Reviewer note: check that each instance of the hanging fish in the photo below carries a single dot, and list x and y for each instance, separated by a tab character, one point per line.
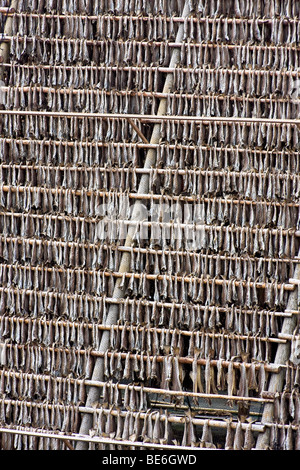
239	437
231	379
207	437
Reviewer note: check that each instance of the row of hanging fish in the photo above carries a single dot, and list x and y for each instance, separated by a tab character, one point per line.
286	438
76	152
98	79
287	408
14	249
30	126
250	184
225	346
62	99
55	417
240	241
43	360
54	51
182	262
194	316
150	427
231	240
31	442
79	307
71	392
204	290
257	233
167	372
138	339
237	438
50	153
241	8
39	387
215	29
266	136
155	427
255	185
34	303
250	134
163	263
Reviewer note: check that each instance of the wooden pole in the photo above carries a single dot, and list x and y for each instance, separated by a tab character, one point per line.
282	356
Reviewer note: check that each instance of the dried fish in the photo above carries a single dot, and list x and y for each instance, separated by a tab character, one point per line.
239	437
207	438
231	379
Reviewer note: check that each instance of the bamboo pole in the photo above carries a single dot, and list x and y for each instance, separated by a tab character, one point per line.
282	356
